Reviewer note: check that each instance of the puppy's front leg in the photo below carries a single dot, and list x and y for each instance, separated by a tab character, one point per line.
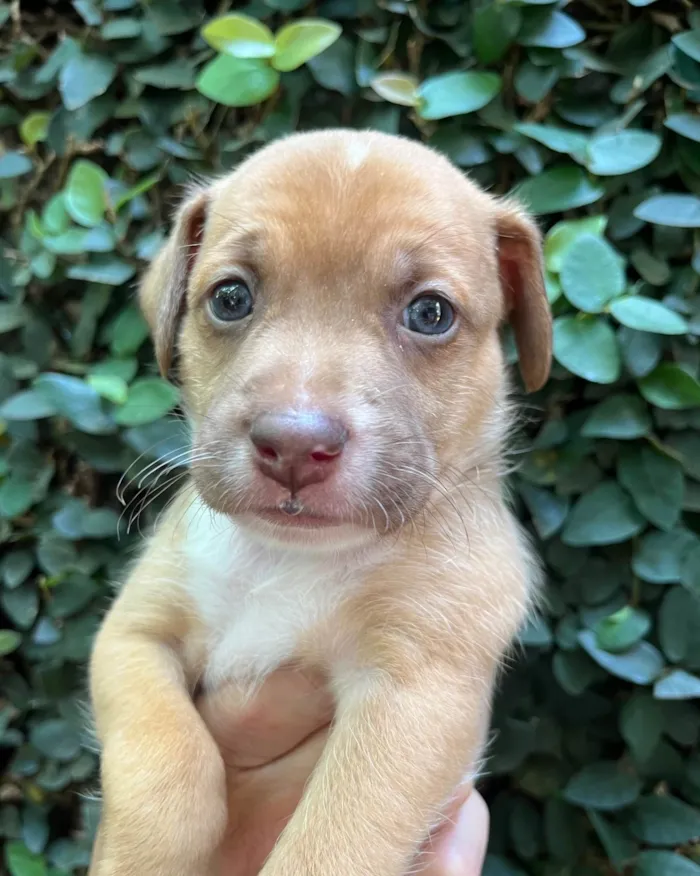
398	749
162	776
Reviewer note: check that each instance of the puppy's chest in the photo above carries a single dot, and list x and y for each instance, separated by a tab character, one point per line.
260	605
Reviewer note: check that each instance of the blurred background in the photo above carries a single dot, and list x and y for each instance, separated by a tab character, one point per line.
587	111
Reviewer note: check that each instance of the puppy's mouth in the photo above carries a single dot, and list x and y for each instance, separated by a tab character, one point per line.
301	518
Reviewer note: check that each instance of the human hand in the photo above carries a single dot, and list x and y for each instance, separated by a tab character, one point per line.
270	745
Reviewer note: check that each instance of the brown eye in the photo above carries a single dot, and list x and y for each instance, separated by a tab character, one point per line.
231	301
429	315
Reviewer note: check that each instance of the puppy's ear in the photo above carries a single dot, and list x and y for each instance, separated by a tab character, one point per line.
164	285
522	280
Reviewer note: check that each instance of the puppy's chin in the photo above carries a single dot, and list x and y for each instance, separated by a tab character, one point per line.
310	534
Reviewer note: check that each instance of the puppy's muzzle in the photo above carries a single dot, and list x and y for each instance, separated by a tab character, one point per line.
298	448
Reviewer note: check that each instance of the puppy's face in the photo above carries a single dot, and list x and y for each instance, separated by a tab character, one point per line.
336	303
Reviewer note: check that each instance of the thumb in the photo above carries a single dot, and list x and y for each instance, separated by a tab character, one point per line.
461	849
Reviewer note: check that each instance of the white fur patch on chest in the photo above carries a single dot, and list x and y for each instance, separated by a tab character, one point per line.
256	600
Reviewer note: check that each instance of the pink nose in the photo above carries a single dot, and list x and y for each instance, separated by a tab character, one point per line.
297	448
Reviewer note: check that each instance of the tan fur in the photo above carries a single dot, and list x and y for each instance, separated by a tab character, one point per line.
336	232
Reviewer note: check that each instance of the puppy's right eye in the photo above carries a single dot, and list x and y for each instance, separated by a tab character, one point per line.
231	301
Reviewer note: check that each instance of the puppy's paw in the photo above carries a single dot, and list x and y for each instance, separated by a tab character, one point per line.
164	808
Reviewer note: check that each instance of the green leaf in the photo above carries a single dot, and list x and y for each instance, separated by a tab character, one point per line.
655	482
149	399
27	405
547	509
621	630
605	786
677	685
676	211
110	271
10	640
622	152
671	388
298	42
13	164
76	401
641	665
622	416
689	43
34	127
56	739
564	234
398	88
240	36
85	195
647	315
238	81
642	724
84	77
495	27
588	348
555	31
455	94
111	387
603	515
619	847
22	862
591	273
558	189
175	74
121	29
665	863
658	558
664	821
685	124
557	139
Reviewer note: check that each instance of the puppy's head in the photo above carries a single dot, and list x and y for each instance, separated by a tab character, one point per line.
335	303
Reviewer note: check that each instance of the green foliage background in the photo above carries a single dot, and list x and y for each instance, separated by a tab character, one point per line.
589	110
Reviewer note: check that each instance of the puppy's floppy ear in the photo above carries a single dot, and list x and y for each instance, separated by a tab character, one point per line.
164	285
522	280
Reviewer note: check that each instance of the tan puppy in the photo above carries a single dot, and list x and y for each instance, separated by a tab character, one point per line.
335	304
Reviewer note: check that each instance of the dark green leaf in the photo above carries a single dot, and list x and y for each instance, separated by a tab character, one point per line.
655	482
665	821
622	416
604	786
604	515
665	864
558	189
671	388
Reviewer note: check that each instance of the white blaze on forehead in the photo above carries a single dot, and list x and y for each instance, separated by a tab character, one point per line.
356	151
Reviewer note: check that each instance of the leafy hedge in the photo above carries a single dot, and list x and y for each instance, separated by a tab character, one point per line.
589	111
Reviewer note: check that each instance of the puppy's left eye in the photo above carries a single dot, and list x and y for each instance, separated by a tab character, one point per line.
429	315
231	301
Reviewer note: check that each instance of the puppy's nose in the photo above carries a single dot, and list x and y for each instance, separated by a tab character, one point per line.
297	448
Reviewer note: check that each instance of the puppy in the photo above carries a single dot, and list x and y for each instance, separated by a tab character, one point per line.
335	304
